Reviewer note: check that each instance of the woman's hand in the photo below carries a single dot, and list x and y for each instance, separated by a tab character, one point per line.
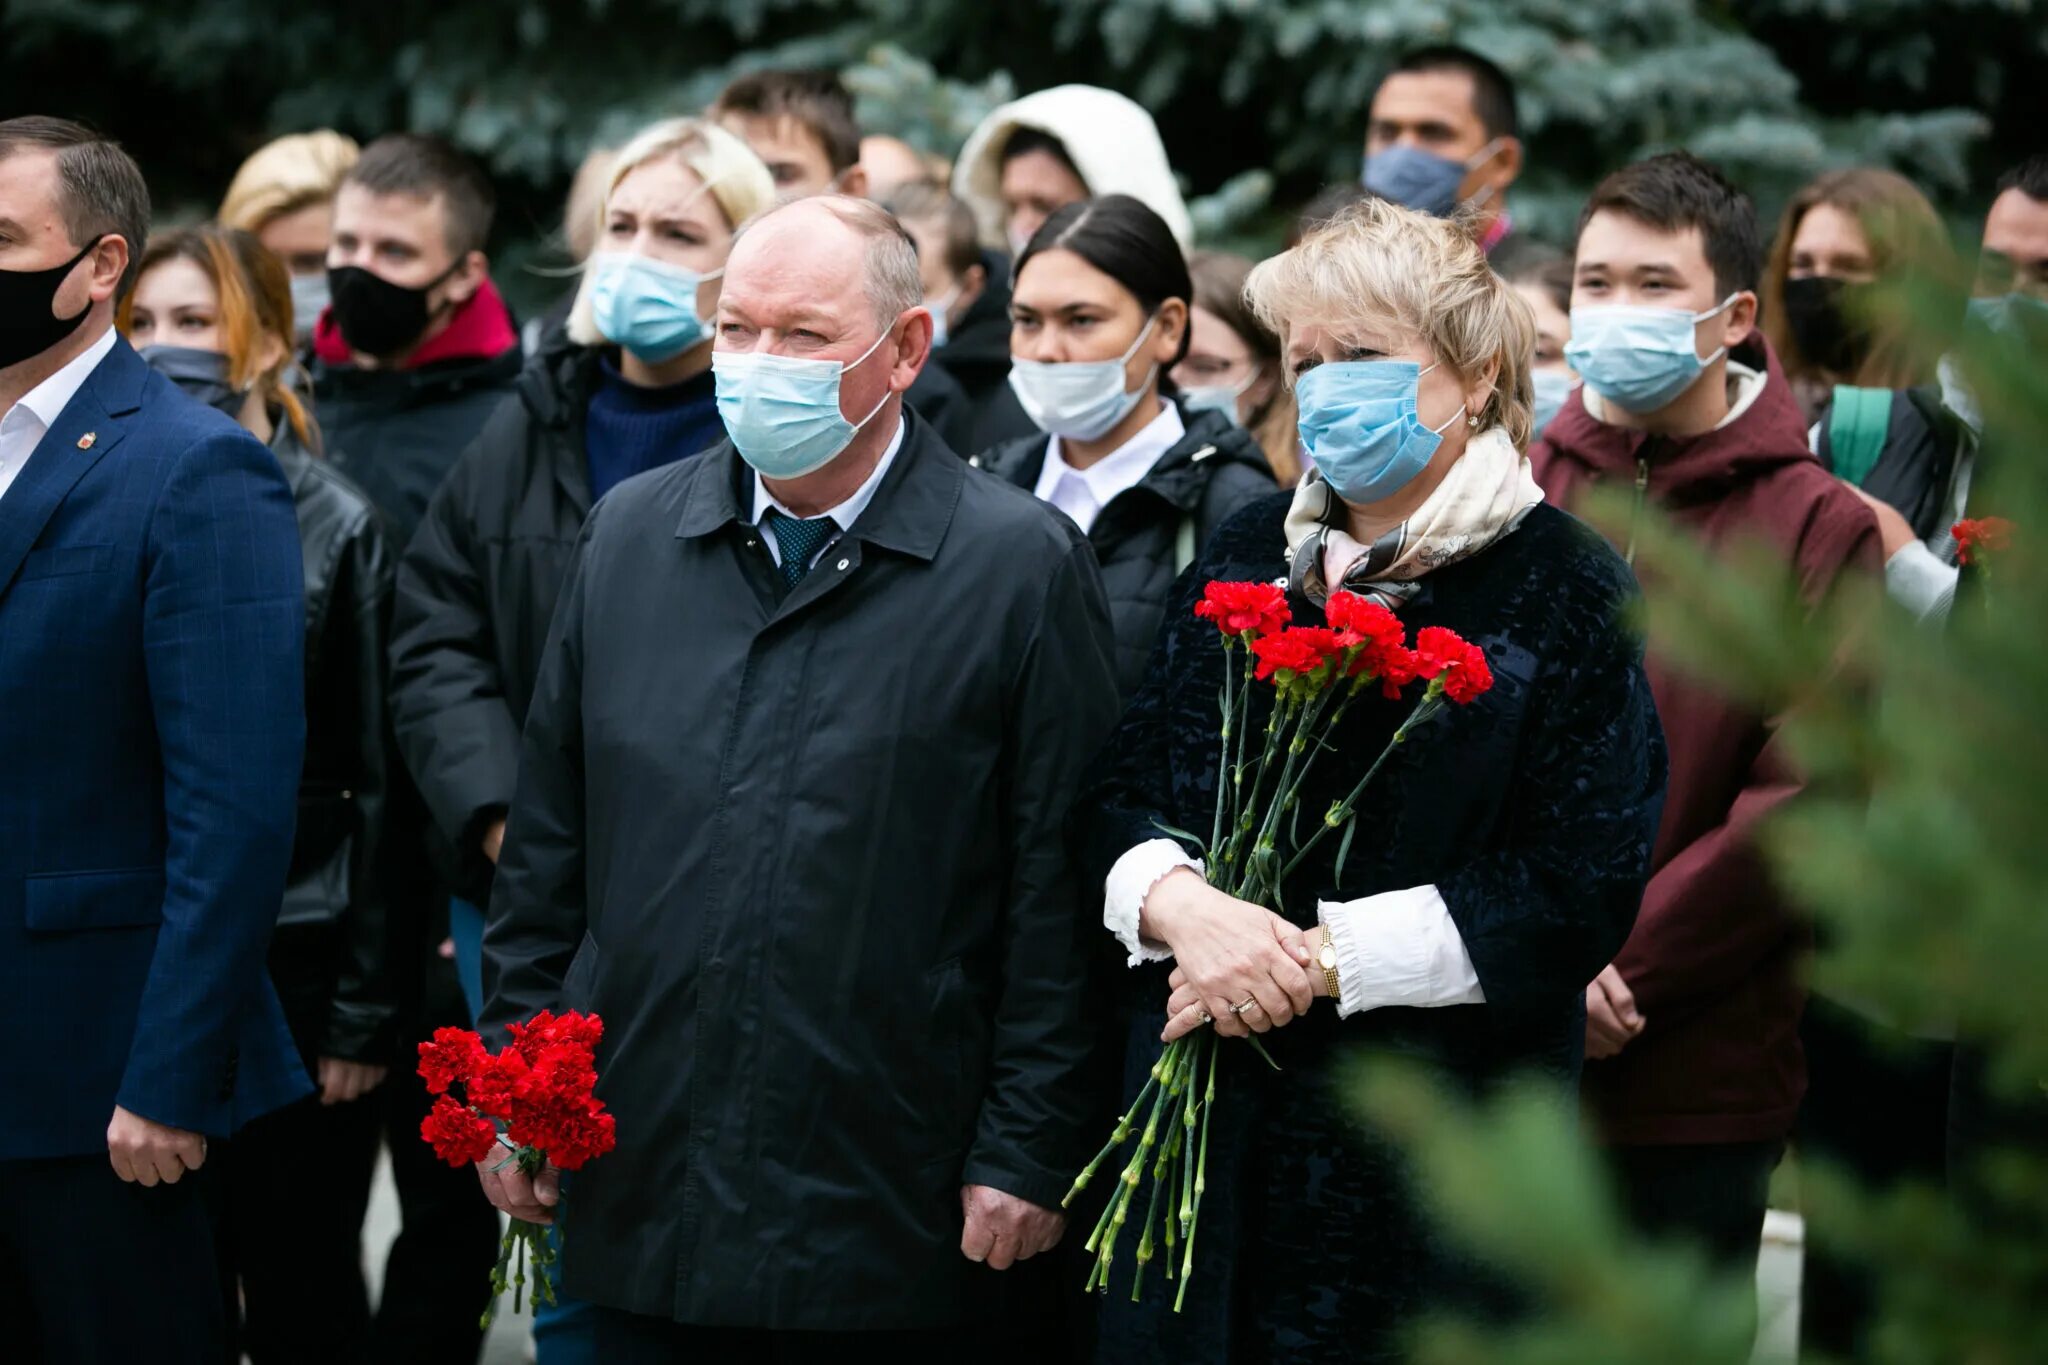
1228	952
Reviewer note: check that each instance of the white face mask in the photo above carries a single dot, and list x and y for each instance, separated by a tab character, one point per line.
1079	399
1217	397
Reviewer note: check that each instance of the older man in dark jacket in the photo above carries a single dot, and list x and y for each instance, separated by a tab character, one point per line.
807	725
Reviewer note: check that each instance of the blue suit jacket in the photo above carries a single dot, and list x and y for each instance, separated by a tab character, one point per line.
151	731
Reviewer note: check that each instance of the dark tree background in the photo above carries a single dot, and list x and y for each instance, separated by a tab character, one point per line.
1947	90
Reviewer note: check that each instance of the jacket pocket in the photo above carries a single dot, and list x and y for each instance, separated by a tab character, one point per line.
56	902
60	561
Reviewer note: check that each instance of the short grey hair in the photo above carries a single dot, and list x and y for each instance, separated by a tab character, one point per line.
892	281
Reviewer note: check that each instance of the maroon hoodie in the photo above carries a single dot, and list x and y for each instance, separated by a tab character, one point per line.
1714	960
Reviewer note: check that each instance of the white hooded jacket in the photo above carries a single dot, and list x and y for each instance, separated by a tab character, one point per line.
1111	140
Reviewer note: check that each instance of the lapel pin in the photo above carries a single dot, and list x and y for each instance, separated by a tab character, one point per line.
85	441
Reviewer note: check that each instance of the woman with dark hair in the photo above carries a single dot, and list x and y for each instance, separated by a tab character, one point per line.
212	310
1233	362
1099	313
1543	280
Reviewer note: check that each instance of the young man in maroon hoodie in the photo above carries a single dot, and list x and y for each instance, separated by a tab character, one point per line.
1694	1071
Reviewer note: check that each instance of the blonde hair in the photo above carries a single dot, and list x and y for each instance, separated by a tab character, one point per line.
1376	263
733	176
255	302
285	176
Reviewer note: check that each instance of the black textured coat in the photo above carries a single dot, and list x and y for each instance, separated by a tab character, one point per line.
1532	811
803	853
330	956
476	590
396	433
1209	474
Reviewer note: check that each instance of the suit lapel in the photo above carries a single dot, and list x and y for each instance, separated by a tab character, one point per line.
101	410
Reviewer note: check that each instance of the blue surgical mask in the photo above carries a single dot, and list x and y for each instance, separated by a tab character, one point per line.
1637	357
1216	397
1079	399
1552	388
647	306
1421	180
782	411
939	308
1359	424
2022	317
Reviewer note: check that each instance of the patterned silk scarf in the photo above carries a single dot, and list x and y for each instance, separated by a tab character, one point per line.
1485	496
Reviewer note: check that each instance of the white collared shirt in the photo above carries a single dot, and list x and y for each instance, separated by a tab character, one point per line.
845	514
1083	493
26	423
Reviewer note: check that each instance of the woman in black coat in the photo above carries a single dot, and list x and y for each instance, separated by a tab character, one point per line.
1500	853
625	388
1099	315
211	309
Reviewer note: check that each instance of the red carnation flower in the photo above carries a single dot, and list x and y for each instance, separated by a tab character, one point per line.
580	1134
1241	608
495	1086
1461	666
1398	666
1974	536
1369	628
454	1054
457	1135
1298	650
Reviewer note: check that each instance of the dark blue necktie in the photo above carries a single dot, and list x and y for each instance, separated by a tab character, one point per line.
799	539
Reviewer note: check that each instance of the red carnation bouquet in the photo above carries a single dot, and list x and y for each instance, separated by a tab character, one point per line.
1976	537
1255	842
534	1099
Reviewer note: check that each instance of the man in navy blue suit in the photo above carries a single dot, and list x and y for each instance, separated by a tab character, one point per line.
151	731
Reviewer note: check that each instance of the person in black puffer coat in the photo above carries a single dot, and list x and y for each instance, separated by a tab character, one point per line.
1101	298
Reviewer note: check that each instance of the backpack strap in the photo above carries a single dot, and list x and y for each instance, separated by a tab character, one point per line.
1859	421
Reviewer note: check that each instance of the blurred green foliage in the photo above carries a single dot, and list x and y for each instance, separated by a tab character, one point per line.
1945	90
1918	849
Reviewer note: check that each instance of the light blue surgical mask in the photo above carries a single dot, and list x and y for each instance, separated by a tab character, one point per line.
1637	357
1216	397
647	306
939	308
1079	399
1552	388
1421	180
1359	424
782	411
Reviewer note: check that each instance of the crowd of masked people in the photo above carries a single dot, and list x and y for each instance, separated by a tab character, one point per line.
781	646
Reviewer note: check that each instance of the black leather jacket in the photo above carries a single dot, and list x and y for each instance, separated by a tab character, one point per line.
330	956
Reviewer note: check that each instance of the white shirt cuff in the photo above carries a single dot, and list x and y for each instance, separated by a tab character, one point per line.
1399	948
1125	889
1919	581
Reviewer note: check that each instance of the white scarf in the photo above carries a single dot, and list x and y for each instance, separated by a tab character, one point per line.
1483	497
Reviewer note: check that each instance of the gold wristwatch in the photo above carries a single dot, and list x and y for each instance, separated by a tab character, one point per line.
1326	958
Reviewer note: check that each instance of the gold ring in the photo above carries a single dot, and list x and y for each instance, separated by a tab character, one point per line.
1241	1006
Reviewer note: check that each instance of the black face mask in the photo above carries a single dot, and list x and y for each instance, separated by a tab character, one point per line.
1819	313
377	317
203	375
27	326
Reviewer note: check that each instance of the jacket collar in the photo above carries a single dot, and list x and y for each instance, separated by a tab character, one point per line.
1179	477
910	512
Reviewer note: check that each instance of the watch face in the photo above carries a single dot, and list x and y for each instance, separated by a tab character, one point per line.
1327	957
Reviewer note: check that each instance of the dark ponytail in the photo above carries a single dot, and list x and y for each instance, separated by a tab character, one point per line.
1126	241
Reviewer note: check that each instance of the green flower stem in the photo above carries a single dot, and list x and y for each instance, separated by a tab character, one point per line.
1120	1205
1306	714
1187	1263
1341	811
1283	711
1244	725
1358	684
1117	1136
1223	752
